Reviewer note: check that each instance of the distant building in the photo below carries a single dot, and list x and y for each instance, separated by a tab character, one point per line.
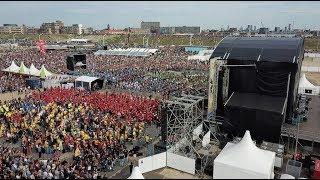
12	29
150	25
153	27
277	29
52	27
88	30
263	31
180	30
233	29
139	31
73	29
289	27
32	30
187	30
167	30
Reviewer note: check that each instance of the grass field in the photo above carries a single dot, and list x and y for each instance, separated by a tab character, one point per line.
310	43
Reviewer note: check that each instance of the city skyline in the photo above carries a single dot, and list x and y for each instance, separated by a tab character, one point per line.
207	15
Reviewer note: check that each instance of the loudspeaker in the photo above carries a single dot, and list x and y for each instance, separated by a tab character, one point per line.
80	58
70	63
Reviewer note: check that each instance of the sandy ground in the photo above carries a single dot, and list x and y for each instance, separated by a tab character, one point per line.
308	61
314	78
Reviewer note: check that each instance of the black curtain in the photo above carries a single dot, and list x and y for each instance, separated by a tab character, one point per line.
242	79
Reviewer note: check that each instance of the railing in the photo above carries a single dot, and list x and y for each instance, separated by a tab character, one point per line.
291	130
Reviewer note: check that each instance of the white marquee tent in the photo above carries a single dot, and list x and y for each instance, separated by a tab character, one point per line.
44	72
23	69
34	71
305	87
244	160
136	174
12	68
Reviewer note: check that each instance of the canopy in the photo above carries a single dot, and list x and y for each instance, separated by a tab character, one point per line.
203	55
270	49
244	160
23	69
12	68
88	79
305	87
34	71
141	52
136	174
44	72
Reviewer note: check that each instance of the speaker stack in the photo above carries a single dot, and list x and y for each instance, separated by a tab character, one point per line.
76	60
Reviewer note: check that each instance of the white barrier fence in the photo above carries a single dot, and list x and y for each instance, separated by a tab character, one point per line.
167	159
152	163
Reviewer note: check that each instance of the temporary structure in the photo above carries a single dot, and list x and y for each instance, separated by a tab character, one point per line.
136	174
305	87
23	69
44	72
87	82
12	68
244	160
34	71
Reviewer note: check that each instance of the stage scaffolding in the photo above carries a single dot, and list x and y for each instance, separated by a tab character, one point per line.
184	115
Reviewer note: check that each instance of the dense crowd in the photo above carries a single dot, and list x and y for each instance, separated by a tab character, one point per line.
57	121
11	82
132	73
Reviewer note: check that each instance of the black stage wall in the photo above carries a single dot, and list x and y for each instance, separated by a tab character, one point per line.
261	114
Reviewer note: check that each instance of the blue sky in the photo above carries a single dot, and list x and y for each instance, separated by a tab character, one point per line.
120	14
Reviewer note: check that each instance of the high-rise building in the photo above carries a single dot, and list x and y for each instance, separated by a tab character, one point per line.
289	28
277	29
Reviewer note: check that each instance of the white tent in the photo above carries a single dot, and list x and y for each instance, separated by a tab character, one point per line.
85	82
44	72
286	176
34	71
244	160
305	87
12	68
23	69
136	174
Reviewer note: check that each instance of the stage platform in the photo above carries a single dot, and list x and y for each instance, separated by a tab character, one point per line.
309	130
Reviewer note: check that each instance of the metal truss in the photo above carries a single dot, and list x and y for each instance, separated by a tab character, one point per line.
184	114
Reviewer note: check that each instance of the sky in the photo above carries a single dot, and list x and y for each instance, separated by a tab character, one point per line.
206	14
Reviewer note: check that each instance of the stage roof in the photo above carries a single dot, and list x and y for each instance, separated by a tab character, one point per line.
273	49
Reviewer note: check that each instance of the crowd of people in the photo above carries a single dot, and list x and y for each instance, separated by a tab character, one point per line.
94	127
124	72
11	82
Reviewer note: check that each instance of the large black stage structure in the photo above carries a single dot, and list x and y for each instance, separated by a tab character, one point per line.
264	75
